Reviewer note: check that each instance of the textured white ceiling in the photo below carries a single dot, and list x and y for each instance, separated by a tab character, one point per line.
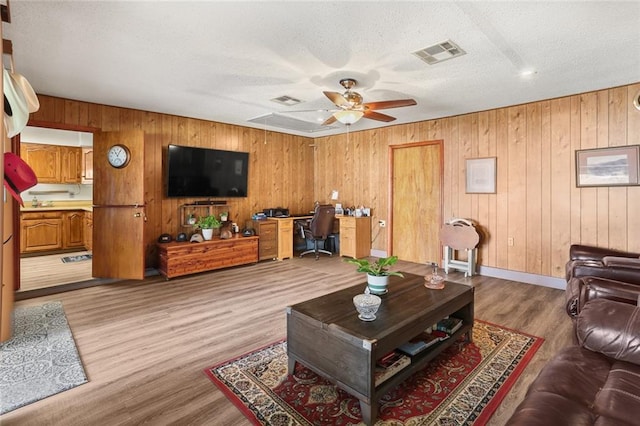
224	61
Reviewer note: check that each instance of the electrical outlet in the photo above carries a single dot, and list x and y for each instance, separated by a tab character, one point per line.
510	241
382	223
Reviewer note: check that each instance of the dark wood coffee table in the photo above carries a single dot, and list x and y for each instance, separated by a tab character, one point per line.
325	334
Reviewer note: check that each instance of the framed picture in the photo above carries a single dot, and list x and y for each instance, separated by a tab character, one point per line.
616	166
481	175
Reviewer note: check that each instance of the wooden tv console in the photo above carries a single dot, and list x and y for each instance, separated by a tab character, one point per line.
183	258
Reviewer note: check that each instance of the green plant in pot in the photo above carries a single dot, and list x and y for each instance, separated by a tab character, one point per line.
207	224
378	272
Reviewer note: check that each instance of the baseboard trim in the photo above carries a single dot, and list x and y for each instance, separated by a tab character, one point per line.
524	277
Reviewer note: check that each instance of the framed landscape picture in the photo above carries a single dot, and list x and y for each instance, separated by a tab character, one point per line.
616	166
481	175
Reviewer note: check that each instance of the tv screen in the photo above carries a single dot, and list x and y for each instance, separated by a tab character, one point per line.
205	172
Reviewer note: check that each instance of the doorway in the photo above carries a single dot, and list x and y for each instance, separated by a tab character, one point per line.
56	267
416	201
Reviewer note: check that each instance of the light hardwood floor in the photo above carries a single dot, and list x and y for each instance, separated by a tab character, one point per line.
145	344
49	270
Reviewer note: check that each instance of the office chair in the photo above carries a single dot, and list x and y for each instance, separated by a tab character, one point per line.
320	227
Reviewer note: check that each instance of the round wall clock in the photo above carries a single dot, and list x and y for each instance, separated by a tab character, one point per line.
118	156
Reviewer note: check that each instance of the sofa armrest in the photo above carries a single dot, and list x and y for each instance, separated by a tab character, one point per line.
628	273
584	252
610	328
591	288
621	262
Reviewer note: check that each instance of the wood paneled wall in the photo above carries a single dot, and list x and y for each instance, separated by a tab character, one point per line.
280	169
537	202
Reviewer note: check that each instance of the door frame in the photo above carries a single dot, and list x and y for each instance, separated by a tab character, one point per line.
392	148
15	148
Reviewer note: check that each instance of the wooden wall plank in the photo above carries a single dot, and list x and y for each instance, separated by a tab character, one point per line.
561	183
533	160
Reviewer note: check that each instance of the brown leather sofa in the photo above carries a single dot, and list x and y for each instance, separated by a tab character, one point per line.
597	381
587	261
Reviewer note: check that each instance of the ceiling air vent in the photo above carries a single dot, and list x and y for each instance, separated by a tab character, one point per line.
290	123
439	52
286	100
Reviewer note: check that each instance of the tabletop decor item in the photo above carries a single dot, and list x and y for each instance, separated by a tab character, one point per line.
207	224
434	280
367	305
378	272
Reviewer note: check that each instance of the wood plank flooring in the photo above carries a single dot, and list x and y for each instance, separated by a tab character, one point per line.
49	270
145	344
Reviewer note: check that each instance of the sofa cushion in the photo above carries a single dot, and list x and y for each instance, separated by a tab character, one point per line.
619	398
610	328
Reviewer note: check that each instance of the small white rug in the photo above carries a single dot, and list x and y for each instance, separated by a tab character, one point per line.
40	360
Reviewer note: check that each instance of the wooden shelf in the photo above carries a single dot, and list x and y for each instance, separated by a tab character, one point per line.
199	210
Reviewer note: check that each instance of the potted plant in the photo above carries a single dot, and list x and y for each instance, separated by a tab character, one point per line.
378	272
207	224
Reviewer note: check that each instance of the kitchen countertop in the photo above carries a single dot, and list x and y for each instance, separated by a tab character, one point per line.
84	205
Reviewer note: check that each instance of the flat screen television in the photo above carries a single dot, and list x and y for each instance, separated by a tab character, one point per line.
206	172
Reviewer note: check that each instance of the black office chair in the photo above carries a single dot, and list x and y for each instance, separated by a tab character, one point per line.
319	229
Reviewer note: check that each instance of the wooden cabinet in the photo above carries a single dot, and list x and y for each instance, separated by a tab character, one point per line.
355	236
73	228
44	160
53	163
88	230
71	164
183	258
87	165
267	230
40	232
52	230
285	237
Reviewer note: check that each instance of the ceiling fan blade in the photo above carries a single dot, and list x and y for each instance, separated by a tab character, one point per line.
390	104
337	99
329	121
377	116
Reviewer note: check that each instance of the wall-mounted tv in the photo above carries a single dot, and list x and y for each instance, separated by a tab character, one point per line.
205	172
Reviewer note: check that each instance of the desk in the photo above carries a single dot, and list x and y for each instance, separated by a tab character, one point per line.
355	236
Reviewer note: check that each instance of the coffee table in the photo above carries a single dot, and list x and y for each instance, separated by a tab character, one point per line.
325	334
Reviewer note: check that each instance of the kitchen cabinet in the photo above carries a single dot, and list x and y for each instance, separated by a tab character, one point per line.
52	230
40	232
44	160
87	165
53	163
71	164
73	228
88	230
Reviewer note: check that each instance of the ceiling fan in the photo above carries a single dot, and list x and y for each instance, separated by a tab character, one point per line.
353	109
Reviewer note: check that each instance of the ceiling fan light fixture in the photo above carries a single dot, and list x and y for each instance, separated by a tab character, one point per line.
348	116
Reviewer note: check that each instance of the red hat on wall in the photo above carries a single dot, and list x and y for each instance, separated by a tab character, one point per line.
18	176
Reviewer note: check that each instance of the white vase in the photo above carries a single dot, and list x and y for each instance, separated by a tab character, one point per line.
377	285
207	234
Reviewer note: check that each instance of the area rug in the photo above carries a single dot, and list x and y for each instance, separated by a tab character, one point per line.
462	386
40	360
78	258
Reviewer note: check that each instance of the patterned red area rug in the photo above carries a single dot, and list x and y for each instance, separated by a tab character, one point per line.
462	386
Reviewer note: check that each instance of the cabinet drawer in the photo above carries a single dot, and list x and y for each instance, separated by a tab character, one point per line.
41	215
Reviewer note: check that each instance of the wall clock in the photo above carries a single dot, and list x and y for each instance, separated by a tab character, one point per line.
118	156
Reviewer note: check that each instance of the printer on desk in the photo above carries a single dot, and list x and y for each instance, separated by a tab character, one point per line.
276	212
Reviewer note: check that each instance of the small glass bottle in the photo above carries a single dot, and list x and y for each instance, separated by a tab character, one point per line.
34	202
